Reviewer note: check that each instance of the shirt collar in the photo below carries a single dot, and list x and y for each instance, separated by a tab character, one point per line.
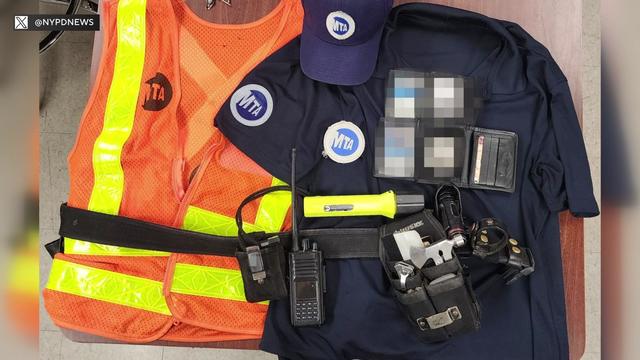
501	71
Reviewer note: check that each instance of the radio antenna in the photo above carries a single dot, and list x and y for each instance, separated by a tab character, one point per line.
295	246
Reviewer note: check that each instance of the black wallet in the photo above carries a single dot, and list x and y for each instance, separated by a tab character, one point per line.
493	159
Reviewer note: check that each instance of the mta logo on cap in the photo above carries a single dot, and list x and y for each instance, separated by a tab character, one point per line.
251	105
340	25
343	142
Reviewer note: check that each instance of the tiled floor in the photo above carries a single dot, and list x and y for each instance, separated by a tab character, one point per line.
64	82
65	71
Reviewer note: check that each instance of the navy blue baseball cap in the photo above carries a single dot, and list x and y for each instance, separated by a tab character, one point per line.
341	38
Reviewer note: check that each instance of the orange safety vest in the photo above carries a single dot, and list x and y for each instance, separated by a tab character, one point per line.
147	149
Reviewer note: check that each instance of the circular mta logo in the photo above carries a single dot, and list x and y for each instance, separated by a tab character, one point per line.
159	93
343	142
340	25
251	105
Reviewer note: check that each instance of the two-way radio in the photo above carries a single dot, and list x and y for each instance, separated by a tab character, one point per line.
306	271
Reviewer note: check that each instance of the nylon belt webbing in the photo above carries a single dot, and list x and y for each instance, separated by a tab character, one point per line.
120	231
270	217
196	220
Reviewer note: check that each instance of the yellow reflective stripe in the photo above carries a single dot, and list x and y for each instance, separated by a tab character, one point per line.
271	214
79	247
119	115
121	106
207	281
208	222
273	209
108	286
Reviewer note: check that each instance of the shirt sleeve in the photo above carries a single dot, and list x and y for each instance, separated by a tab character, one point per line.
561	172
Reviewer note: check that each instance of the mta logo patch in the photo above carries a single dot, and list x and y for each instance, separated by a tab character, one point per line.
159	93
340	25
251	105
343	142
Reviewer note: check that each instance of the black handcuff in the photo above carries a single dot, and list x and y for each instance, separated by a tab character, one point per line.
488	236
490	241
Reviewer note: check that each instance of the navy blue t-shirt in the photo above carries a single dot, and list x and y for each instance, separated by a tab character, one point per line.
276	108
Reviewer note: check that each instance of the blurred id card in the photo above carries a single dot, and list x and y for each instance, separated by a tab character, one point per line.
428	134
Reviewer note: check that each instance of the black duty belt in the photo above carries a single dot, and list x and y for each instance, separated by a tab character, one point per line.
114	230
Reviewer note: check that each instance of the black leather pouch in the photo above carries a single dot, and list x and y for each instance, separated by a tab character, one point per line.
437	299
418	307
261	257
263	269
441	304
457	309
